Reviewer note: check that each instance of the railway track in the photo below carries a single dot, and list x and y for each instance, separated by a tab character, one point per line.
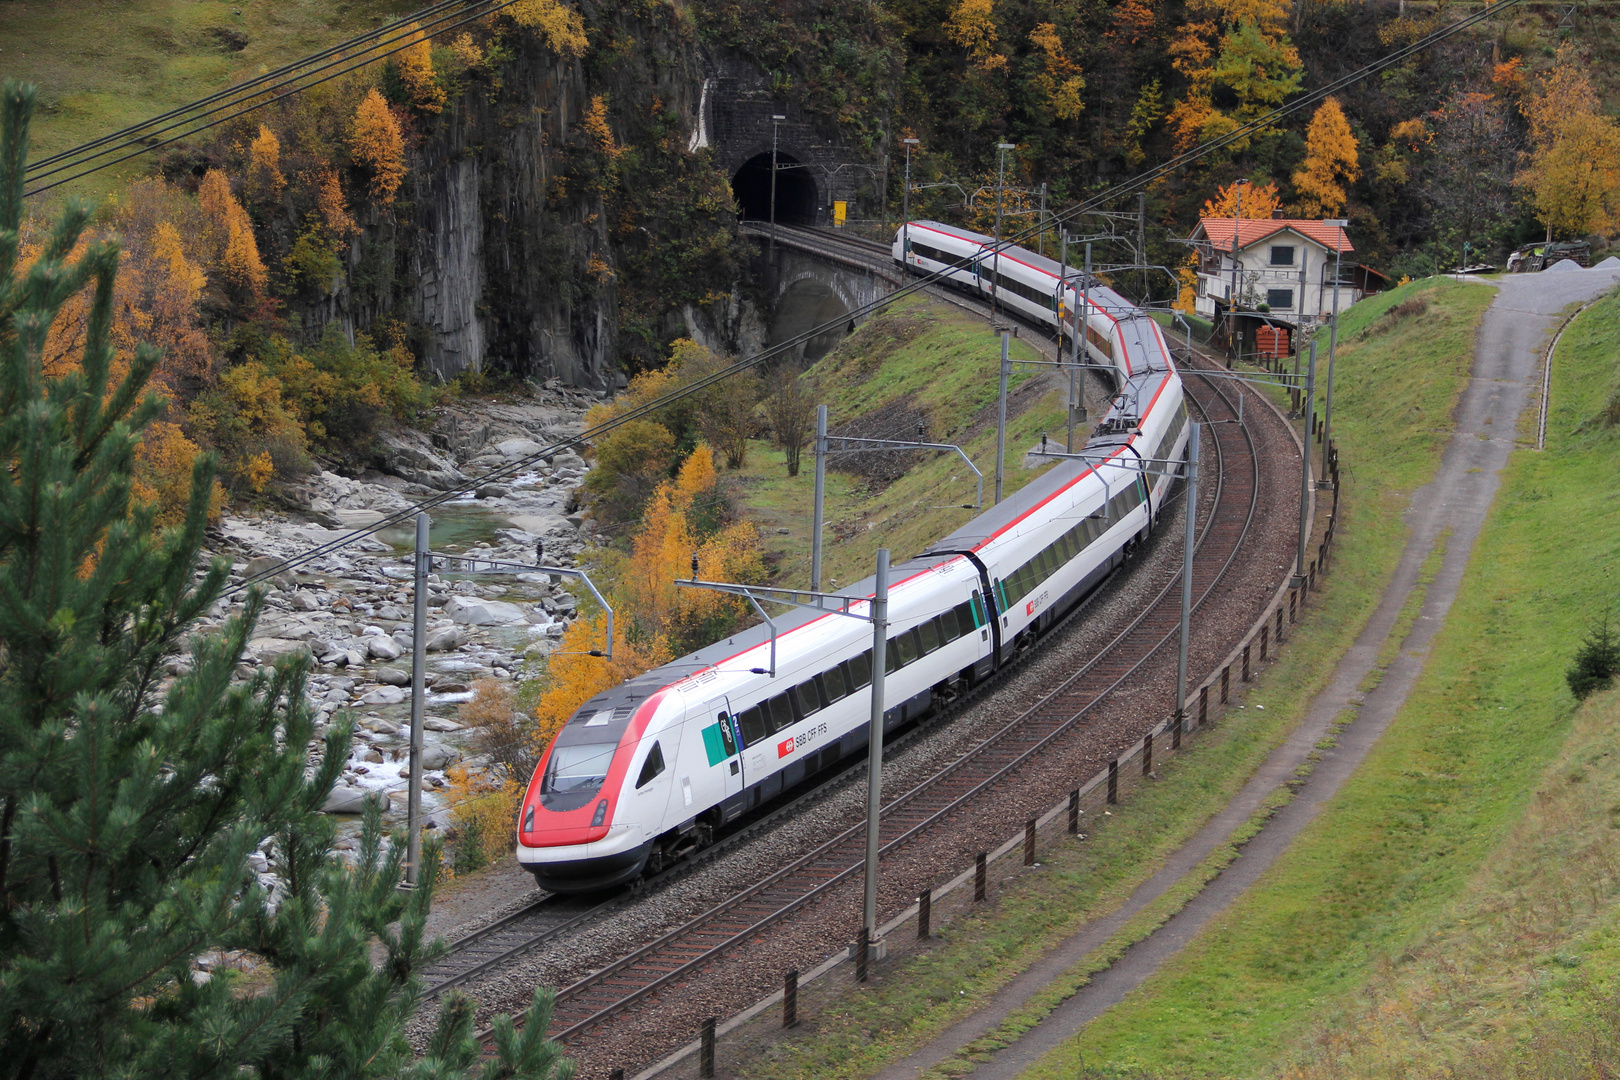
642	974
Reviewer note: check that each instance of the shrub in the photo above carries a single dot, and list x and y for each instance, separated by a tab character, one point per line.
483	811
247	421
630	463
1597	661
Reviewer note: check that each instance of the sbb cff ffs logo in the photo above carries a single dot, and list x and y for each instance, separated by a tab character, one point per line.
787	746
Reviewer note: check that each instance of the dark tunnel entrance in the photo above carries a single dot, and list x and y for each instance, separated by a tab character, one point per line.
796	199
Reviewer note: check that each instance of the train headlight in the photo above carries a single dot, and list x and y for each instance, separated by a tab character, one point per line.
528	820
601	813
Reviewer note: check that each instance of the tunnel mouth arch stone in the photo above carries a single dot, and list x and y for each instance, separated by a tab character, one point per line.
797	200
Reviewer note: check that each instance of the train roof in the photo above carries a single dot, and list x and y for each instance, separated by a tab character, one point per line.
620	700
1102	296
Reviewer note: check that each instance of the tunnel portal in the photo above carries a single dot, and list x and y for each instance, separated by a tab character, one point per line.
797	202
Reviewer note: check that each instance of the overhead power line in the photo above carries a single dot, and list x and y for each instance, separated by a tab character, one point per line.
404	37
240	89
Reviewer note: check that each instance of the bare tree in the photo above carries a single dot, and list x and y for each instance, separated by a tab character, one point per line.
790	409
1468	169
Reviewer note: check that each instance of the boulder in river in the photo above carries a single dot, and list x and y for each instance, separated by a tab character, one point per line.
478	612
445	639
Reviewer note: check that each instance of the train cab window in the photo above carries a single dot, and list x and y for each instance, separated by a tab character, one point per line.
832	681
809	699
577	769
860	671
654	764
752	723
928	636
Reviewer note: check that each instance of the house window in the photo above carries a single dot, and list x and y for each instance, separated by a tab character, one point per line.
1282	255
1280	299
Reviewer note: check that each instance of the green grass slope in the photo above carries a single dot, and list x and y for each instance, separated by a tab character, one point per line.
919	357
104	64
1451	913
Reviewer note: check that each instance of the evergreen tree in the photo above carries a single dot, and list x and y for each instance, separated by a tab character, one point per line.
1597	662
130	802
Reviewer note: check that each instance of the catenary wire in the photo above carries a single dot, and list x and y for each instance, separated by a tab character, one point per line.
406	39
242	89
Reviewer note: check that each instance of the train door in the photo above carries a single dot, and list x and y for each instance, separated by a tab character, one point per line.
720	744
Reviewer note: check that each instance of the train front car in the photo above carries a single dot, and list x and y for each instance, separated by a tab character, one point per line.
577	831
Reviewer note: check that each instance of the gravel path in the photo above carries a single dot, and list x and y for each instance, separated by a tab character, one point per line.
1457	501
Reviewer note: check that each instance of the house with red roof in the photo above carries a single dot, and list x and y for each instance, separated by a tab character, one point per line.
1276	271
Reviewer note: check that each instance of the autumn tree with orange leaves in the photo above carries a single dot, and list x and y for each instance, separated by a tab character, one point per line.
655	620
1248	202
377	146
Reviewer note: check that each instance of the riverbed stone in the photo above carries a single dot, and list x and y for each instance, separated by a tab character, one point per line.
481	612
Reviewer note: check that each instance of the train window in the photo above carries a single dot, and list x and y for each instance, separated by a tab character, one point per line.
860	671
653	765
809	700
976	610
781	713
832	680
891	657
1043	565
950	627
751	722
907	645
930	635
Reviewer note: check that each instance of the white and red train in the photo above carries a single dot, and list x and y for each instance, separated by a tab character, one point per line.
644	773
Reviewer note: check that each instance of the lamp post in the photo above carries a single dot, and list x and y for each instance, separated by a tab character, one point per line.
905	206
1231	299
775	130
1333	343
995	262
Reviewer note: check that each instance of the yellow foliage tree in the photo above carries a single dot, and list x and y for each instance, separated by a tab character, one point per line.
1574	170
377	145
1061	80
1330	163
155	297
671	534
230	237
558	25
163	462
1241	44
415	66
329	204
597	127
264	182
1259	200
972	25
573	676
